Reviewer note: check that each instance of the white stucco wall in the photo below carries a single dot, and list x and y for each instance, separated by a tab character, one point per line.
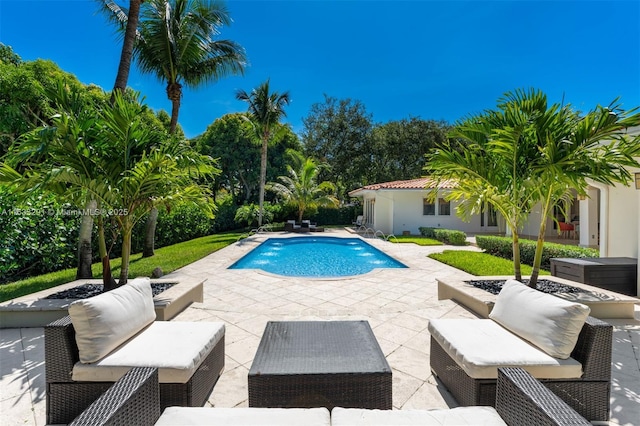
401	210
623	225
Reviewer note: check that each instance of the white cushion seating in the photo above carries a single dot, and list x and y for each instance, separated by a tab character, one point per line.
550	323
527	328
445	417
104	322
245	416
480	346
176	348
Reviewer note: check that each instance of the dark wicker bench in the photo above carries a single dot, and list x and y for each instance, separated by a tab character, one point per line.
522	401
67	398
588	395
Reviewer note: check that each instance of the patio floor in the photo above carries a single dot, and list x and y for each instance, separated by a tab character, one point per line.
398	303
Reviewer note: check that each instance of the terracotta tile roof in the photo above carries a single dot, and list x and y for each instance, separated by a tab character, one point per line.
421	183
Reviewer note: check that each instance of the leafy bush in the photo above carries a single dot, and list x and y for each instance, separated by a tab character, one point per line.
331	216
427	232
503	247
447	236
36	236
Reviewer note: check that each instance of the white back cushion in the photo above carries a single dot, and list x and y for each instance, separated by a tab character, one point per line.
550	323
106	321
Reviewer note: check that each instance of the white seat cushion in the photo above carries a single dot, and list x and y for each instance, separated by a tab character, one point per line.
449	417
245	416
550	323
176	348
104	322
480	346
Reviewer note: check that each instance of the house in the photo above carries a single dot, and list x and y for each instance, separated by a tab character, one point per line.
608	218
401	206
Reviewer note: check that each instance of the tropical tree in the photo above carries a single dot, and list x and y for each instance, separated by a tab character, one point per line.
339	132
265	111
528	153
176	44
301	187
127	21
118	162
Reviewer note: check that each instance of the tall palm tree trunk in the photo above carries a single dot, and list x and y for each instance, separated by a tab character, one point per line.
85	253
108	282
263	179
126	255
174	93
150	233
127	46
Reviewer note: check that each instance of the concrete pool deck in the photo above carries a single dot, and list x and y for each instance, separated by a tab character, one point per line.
398	303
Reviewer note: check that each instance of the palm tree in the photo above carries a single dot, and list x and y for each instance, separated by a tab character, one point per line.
177	45
112	158
301	188
265	111
128	21
527	152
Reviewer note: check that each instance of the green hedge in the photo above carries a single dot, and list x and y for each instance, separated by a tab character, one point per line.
36	236
447	236
503	247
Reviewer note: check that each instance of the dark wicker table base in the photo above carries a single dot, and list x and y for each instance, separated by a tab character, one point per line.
316	383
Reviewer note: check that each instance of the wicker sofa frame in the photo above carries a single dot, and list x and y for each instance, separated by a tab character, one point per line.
522	401
67	398
588	395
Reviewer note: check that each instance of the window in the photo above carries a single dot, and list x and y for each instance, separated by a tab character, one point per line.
428	208
492	219
444	207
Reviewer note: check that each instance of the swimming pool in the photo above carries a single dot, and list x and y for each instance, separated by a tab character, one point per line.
320	257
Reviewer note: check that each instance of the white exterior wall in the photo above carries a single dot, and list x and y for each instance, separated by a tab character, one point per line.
383	214
401	210
623	224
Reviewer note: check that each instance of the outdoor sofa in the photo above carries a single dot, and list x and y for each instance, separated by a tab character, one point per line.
105	336
522	401
553	339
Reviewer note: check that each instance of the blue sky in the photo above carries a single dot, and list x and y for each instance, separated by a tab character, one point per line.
430	59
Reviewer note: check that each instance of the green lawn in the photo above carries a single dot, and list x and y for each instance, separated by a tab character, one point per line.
421	241
168	258
480	263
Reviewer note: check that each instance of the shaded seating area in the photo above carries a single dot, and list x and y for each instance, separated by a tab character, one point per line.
553	339
304	226
567	230
107	335
521	401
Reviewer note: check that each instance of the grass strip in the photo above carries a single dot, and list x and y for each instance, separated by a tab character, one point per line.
480	264
168	258
421	241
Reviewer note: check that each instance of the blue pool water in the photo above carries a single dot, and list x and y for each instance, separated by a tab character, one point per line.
320	257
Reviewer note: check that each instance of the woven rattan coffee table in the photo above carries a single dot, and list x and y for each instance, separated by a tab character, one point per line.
319	364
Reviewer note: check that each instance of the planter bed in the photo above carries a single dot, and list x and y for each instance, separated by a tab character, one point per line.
603	303
35	310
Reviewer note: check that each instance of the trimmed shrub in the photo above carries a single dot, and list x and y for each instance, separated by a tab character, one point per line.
428	232
451	237
331	216
503	247
447	236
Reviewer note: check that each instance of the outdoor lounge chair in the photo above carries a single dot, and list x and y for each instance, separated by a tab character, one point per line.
522	401
290	226
554	339
106	335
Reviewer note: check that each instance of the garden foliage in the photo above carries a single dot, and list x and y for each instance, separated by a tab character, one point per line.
502	247
447	236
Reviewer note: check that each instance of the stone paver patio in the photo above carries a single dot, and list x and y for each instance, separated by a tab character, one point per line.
398	303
